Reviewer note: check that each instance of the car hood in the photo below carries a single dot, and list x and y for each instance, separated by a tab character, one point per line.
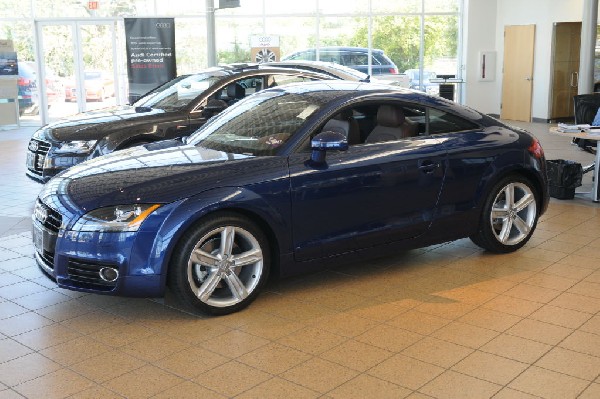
93	125
163	172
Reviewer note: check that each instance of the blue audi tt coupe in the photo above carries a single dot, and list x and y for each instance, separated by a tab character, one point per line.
285	181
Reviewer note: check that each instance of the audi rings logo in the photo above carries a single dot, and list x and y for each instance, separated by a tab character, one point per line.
163	25
40	213
264	40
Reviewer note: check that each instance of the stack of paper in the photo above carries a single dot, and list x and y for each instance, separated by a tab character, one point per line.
565	128
594	130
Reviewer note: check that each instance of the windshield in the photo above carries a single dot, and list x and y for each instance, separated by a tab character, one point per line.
177	93
258	125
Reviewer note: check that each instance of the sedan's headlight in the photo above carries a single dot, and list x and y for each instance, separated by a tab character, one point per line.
76	147
115	218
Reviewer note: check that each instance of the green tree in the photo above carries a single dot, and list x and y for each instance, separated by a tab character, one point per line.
21	35
237	54
399	37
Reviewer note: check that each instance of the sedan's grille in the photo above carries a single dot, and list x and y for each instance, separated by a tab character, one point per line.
52	219
38	150
87	274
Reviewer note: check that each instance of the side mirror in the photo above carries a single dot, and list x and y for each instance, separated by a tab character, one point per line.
325	141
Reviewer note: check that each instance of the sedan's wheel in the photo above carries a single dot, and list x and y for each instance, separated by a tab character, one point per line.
509	216
220	266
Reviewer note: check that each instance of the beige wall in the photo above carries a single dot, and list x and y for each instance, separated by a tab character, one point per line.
486	20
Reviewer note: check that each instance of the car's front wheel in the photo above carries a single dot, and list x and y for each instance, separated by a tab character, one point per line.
220	265
509	216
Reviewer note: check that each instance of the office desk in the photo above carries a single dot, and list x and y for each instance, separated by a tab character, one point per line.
595	195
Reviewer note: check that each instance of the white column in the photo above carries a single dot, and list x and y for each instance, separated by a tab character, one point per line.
588	43
211	46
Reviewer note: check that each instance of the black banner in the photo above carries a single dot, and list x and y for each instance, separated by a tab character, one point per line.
150	44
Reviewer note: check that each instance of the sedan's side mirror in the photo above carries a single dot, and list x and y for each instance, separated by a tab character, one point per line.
325	141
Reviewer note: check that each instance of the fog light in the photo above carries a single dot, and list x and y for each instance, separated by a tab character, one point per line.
109	274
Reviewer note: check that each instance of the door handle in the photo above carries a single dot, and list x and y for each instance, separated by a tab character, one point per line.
574	79
529	78
428	166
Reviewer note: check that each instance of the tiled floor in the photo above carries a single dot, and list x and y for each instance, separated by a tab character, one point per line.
444	322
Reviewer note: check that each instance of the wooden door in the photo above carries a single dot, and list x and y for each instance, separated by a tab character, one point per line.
517	80
566	45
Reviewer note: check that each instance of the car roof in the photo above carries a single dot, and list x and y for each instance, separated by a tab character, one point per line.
349	89
313	88
232	70
324	67
342	48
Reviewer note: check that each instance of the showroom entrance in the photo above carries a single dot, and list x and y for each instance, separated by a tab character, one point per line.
78	56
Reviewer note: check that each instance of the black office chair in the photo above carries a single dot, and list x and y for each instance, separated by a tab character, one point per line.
586	107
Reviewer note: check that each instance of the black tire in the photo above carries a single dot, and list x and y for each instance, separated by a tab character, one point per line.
507	225
206	282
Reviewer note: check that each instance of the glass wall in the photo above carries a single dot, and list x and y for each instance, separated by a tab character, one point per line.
597	62
420	37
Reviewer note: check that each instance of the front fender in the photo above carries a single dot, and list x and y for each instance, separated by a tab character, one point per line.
274	216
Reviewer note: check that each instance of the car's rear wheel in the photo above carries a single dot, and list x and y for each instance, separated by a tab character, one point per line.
509	216
220	265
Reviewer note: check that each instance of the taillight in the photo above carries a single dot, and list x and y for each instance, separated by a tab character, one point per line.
535	149
393	71
23	82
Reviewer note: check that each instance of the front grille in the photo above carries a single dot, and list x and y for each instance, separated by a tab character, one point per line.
45	239
38	150
53	219
87	274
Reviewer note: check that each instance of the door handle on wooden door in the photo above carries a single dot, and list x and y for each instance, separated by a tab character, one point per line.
574	79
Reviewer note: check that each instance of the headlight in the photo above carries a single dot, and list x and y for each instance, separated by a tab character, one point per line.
76	147
115	218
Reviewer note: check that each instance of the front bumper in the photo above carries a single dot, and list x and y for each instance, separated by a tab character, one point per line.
42	163
79	260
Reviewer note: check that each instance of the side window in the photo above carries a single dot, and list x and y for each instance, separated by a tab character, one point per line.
377	122
397	121
443	122
353	59
278	80
330	56
237	90
252	85
346	123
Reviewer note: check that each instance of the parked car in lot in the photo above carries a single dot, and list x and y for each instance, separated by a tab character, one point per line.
98	86
29	89
425	85
174	109
352	57
288	180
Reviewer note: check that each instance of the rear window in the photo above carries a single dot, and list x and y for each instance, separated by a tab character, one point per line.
382	59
